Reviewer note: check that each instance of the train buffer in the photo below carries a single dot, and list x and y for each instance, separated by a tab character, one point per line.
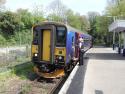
103	72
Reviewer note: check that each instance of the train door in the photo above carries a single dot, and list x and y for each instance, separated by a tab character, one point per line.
46	45
76	47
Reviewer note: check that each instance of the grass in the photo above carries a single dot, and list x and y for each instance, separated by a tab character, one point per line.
6	75
4	78
17	61
23	70
26	88
20	68
18	73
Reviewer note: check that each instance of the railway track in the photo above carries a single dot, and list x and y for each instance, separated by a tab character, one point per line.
58	85
32	85
54	85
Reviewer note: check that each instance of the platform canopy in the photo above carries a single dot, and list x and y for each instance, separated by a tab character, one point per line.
117	26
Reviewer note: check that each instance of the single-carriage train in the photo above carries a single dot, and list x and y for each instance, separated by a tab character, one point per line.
55	48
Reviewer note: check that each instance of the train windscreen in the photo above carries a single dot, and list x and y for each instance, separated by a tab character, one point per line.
61	36
35	37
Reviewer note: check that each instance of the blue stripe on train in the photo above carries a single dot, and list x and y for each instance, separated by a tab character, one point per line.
69	49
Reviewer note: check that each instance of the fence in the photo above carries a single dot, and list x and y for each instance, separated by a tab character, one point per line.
11	56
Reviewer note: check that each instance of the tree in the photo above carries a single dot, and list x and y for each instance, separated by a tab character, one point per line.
26	19
92	17
57	8
102	34
2	2
116	9
9	22
99	28
38	14
84	23
38	10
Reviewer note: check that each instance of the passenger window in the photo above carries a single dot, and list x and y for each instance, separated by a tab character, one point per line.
61	36
35	37
73	41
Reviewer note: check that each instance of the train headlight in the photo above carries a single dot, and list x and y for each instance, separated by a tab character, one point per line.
60	57
35	54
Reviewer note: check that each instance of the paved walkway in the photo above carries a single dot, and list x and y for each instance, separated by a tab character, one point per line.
105	72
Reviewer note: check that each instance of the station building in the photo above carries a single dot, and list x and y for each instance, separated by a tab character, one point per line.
118	29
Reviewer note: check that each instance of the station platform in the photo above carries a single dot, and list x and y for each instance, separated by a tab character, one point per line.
103	72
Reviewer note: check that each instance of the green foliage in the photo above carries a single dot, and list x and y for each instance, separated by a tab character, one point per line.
24	37
15	27
99	29
2	2
37	19
9	22
92	19
102	24
116	9
2	40
73	19
26	18
54	17
23	70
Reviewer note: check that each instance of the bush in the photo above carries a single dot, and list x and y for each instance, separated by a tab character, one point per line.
2	40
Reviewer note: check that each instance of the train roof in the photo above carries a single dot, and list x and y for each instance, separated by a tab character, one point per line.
62	24
76	30
50	23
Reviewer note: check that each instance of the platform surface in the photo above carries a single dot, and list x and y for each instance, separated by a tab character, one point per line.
103	72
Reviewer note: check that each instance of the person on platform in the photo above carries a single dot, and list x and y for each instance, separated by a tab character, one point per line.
81	50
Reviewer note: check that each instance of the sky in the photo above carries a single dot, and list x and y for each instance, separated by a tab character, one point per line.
80	6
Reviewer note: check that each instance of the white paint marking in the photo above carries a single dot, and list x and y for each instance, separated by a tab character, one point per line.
68	81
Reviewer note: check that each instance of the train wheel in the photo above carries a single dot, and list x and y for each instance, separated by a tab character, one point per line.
67	68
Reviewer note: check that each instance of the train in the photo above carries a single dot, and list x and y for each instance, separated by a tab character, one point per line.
55	48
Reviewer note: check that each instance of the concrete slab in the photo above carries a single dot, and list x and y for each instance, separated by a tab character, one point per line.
105	72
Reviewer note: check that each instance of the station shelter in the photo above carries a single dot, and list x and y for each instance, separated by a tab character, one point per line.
118	29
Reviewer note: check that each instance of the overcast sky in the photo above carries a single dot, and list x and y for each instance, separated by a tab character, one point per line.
80	6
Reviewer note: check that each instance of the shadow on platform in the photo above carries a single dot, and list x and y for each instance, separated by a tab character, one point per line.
98	92
106	56
76	87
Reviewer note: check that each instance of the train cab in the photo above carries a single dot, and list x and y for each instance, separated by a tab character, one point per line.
49	49
54	48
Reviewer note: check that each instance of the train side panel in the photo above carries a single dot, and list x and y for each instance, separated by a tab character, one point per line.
69	46
87	42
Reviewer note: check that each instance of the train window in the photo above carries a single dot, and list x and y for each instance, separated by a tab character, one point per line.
61	36
73	41
35	34
35	37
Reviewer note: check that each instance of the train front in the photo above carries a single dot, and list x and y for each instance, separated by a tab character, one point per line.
49	50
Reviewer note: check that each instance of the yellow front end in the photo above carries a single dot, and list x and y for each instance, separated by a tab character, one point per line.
47	64
34	52
60	55
56	74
